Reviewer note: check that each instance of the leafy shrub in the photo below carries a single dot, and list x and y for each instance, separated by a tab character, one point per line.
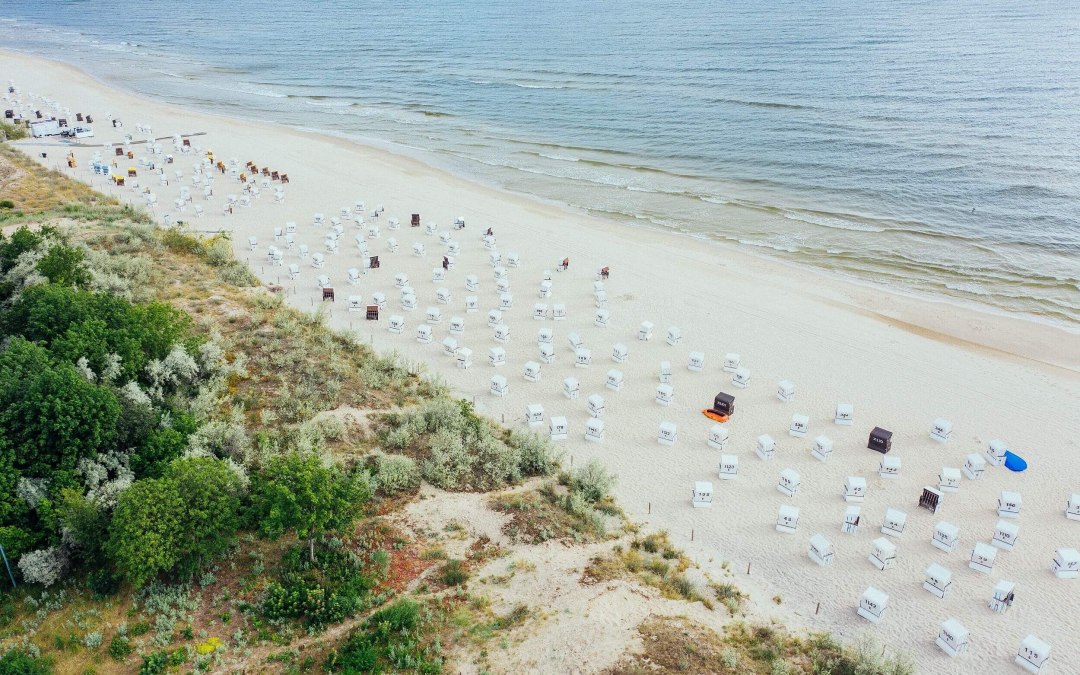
396	473
537	457
177	523
389	640
593	481
11	132
576	504
217	251
34	391
92	640
139	628
453	573
297	492
44	567
332	588
155	663
459	450
72	322
64	265
120	647
238	274
18	662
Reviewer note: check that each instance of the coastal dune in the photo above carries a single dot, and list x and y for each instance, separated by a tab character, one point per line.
901	361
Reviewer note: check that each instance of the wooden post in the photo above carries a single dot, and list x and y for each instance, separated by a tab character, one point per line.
691	534
748	568
650	508
818	608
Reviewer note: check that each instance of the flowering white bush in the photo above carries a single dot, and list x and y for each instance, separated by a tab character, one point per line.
44	567
395	473
177	368
32	490
212	357
134	393
24	272
181	365
220	438
83	366
106	477
112	368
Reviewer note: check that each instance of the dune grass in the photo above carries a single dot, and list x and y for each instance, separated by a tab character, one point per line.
38	192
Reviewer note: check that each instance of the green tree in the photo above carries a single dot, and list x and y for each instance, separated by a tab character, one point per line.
64	265
18	662
74	323
86	521
211	496
21	240
155	452
51	412
297	492
177	523
9	480
146	531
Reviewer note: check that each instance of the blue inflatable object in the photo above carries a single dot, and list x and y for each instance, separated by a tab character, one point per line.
1014	462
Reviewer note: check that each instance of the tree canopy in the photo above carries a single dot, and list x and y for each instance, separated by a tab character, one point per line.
298	492
177	523
50	412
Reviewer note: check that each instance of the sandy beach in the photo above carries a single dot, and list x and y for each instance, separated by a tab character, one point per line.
901	361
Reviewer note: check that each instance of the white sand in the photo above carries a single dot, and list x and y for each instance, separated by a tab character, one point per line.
901	361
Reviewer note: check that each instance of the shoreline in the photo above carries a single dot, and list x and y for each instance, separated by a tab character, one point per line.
838	342
934	315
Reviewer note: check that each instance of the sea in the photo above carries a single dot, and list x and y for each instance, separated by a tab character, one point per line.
929	147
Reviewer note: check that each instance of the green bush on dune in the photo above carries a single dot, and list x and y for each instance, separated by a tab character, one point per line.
458	450
395	473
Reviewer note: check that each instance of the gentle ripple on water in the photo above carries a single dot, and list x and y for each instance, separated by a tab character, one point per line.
930	145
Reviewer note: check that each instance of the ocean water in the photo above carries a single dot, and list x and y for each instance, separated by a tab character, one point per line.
933	147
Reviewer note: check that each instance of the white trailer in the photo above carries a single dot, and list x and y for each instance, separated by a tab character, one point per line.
42	128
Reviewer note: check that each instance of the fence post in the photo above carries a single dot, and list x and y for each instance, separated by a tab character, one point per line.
7	565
